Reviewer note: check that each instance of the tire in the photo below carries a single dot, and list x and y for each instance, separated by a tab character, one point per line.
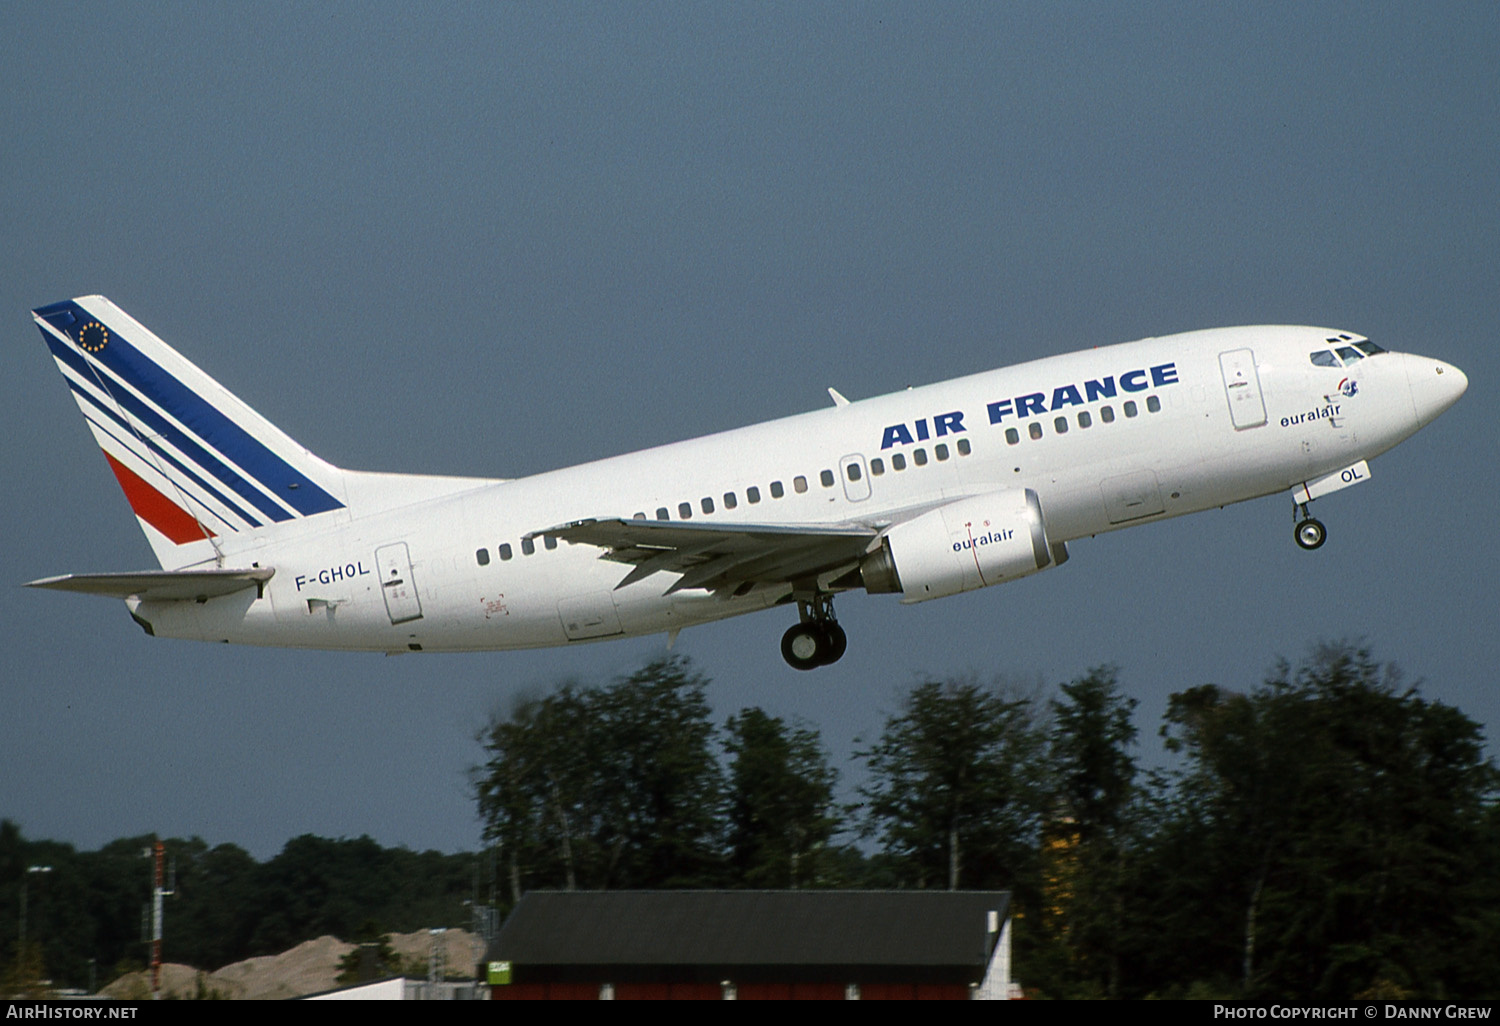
803	646
1310	534
836	642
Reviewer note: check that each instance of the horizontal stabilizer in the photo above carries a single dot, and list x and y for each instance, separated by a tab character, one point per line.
161	585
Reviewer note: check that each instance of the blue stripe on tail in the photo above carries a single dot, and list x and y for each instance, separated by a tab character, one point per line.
229	439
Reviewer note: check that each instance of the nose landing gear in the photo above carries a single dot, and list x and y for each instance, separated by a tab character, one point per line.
818	639
1310	533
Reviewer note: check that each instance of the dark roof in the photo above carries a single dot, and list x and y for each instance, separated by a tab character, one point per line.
933	929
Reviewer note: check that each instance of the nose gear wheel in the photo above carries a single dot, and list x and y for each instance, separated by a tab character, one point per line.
1311	533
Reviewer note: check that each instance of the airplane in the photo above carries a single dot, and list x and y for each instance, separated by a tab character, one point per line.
924	493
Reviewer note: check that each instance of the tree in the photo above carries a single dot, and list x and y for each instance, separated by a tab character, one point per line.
538	794
206	920
606	787
956	790
1086	845
1346	820
1092	732
780	807
373	958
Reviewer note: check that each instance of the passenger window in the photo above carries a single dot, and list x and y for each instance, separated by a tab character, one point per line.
639	516
685	510
919	457
776	490
853	471
1035	430
1107	414
753	494
1323	358
707	504
826	477
527	546
730	501
877	467
1153	404
1012	436
505	551
550	542
964	448
940	451
1130	409
483	555
661	513
1084	420
1060	425
898	461
799	483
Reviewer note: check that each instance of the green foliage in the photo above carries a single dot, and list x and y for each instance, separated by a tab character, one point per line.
1087	847
608	787
1346	825
373	958
957	786
780	808
1092	732
226	907
1329	835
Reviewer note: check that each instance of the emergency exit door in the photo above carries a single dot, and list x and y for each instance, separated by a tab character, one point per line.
856	477
394	566
1247	408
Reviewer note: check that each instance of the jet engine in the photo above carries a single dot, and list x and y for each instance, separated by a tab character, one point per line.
968	544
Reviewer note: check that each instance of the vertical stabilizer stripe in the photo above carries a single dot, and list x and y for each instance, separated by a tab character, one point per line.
153	449
231	440
155	508
173	434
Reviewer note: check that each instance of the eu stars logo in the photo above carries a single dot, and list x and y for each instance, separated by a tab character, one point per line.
93	337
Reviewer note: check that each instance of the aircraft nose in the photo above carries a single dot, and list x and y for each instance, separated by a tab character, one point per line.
1435	386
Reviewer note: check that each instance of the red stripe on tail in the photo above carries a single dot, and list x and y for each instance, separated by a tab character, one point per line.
155	508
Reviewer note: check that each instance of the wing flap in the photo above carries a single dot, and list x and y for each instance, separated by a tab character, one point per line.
721	557
161	585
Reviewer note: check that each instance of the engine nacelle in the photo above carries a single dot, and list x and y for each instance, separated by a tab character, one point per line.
968	544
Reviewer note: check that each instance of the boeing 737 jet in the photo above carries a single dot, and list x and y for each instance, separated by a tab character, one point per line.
922	494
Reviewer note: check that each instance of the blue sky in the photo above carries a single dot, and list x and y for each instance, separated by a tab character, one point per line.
495	239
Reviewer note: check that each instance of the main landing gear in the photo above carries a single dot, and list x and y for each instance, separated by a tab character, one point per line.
1310	533
818	640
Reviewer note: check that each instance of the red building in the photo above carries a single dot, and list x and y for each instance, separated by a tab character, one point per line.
826	945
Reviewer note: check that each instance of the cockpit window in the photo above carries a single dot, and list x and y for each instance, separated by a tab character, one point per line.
1323	358
1368	348
1350	355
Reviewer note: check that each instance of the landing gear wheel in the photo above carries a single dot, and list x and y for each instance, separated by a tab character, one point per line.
804	645
1310	534
836	640
817	639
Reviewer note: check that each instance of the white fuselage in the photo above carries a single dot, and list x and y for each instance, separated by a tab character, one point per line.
476	572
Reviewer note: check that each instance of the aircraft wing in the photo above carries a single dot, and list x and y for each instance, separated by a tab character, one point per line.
161	585
724	558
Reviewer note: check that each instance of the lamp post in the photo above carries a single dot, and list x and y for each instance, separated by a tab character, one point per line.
25	881
25	884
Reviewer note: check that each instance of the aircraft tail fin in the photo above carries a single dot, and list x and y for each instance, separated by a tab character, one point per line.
195	462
